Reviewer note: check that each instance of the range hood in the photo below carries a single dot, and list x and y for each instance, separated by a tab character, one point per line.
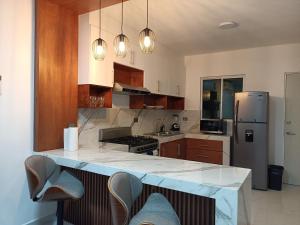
124	89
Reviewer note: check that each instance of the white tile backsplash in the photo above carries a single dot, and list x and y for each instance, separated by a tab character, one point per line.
91	120
148	121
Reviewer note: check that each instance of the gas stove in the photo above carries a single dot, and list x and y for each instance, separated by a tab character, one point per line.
123	135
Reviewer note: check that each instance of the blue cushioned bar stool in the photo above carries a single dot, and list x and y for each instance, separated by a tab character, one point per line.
46	183
124	189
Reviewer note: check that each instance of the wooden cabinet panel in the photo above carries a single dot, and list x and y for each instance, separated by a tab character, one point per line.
202	144
201	150
56	41
81	7
173	149
204	156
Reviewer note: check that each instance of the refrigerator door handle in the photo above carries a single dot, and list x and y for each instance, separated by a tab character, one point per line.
236	135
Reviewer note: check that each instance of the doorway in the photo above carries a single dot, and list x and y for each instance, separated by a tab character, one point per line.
292	129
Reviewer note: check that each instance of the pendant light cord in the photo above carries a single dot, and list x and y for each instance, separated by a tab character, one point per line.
100	15
122	16
147	12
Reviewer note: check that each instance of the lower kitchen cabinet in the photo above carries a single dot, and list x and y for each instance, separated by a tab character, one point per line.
207	151
200	150
173	149
199	155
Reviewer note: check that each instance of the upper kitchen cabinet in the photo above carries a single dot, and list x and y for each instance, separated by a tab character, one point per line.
164	73
91	71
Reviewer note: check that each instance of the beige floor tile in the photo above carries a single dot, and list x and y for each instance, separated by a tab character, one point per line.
276	208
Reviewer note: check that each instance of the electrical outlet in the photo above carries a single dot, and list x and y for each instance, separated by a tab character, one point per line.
185	118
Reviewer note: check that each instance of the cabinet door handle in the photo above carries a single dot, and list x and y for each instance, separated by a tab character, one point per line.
290	133
204	156
178	150
158	86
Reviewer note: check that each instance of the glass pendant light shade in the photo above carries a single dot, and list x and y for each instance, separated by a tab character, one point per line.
121	42
147	36
147	40
121	45
99	48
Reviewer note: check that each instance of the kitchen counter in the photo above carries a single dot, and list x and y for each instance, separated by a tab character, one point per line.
224	138
229	186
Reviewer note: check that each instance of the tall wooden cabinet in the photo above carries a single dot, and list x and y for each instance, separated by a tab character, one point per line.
56	67
55	73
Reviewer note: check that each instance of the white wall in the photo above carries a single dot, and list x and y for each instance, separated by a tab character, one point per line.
264	68
16	112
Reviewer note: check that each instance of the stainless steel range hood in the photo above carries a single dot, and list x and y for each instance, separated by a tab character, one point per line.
124	89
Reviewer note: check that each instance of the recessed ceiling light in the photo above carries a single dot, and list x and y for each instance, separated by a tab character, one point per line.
228	25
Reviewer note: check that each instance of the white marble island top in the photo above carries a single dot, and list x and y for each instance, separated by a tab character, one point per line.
230	186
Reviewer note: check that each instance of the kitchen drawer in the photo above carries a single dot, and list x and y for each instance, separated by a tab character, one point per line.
201	144
206	156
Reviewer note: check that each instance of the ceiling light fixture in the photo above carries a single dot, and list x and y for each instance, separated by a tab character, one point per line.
121	42
99	46
147	37
228	25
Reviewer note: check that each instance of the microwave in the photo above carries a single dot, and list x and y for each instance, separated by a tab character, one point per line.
210	126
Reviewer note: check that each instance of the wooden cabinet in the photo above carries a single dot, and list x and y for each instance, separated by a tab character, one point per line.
173	149
56	66
199	150
177	84
208	151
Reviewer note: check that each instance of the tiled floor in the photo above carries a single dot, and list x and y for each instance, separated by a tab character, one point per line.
276	208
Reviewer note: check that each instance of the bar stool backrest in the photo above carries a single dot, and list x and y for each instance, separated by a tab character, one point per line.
38	170
124	189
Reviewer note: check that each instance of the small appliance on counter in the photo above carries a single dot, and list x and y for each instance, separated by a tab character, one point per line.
213	126
123	136
175	126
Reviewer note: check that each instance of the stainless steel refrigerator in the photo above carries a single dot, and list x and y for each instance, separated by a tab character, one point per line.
251	135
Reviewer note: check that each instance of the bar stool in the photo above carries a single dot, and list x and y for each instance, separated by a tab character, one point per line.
46	185
124	189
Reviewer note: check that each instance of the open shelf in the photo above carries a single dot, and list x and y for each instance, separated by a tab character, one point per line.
175	103
155	101
89	96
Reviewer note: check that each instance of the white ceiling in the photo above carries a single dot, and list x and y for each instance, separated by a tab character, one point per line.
191	26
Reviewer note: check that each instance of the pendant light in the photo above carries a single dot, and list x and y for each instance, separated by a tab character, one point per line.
121	42
99	46
147	37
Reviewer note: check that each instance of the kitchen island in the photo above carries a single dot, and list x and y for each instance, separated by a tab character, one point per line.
229	187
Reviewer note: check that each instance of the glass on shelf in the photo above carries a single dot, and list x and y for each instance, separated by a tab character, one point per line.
96	101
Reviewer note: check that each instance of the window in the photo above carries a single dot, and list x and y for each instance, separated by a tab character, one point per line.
218	97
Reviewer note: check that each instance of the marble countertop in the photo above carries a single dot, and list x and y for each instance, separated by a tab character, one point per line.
164	139
154	170
223	183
